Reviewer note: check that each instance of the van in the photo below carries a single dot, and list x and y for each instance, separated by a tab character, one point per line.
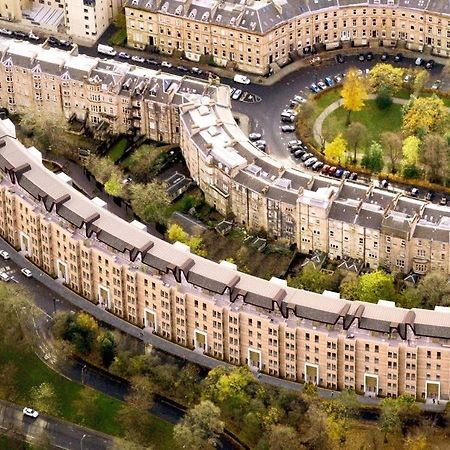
106	50
241	79
4	276
287	117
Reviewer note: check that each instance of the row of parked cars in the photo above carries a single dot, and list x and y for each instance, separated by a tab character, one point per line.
19	34
327	82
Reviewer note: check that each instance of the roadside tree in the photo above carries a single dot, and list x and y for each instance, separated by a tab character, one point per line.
435	157
200	428
386	76
353	92
421	78
373	157
392	145
411	150
336	149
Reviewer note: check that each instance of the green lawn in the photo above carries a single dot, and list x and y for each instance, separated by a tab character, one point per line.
118	149
377	121
32	371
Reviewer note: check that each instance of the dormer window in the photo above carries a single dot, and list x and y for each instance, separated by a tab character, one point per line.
178	10
192	14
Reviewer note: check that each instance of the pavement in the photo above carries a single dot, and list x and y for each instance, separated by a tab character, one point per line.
61	434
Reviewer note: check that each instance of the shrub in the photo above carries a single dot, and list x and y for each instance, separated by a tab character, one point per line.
383	99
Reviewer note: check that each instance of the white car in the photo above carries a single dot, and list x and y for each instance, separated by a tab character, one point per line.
4	254
5	277
138	59
166	64
123	55
418	62
242	79
254	136
30	412
33	36
26	272
5	31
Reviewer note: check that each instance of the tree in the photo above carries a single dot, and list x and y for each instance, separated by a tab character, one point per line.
200	427
115	186
434	289
283	437
421	78
43	398
384	98
176	233
353	92
410	150
392	145
410	298
150	201
349	289
336	149
107	347
355	135
101	168
386	76
141	392
51	130
312	279
389	418
86	406
373	157
398	413
435	156
374	286
424	115
145	163
305	115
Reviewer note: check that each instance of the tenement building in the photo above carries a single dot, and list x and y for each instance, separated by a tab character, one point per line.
341	218
377	350
85	19
253	35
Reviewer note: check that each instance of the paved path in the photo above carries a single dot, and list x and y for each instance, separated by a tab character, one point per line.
61	434
318	124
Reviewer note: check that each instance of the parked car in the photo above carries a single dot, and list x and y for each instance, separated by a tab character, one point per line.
166	64
182	69
4	254
33	37
436	85
294	142
287	117
53	40
19	34
430	64
242	79
236	94
299	99
6	32
332	170
314	88
123	55
369	56
295	148
353	176
384	57
255	136
5	277
288	128
309	162
299	153
414	192
65	44
317	166
26	272
325	169
196	71
306	156
361	57
429	196
30	412
260	143
419	61
384	184
337	79
346	174
340	58
398	57
443	201
321	85
152	62
407	78
329	81
339	173
138	59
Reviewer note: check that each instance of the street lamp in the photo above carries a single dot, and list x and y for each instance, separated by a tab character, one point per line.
81	442
83	373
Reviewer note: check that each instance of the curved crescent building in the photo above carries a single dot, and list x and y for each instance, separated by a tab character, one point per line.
376	349
254	35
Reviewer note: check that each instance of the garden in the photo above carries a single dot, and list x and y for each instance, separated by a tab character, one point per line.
386	123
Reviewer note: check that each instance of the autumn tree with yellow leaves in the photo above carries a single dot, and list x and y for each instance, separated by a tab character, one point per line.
336	149
353	92
386	76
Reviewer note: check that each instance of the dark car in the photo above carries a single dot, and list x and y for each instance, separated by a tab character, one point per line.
340	58
414	192
152	62
430	64
182	69
384	184
306	156
196	71
52	40
369	56
443	201
353	176
361	57
19	34
317	166
346	174
339	173
296	147
429	196
398	57
299	153
384	57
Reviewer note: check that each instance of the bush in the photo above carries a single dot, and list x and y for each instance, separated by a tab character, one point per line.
411	171
383	99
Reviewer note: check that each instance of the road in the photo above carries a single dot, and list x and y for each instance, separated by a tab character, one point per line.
63	435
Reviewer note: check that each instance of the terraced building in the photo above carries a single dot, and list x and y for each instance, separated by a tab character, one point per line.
254	35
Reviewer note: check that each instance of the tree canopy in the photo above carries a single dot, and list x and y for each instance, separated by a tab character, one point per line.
387	76
150	201
353	92
336	149
374	286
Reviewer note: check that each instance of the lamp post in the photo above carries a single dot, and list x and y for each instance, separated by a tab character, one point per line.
81	442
